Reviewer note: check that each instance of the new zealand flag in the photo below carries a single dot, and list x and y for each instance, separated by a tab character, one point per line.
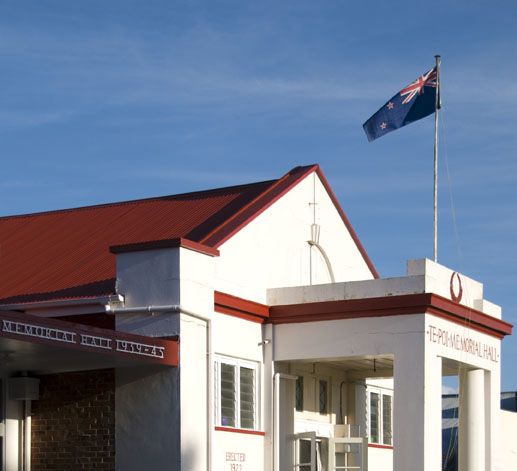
412	103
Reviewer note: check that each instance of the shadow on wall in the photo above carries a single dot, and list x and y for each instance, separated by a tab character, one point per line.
147	418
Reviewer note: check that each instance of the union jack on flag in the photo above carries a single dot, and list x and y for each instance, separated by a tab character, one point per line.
417	87
414	102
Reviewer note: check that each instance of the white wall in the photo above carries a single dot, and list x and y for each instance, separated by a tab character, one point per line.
162	415
243	450
272	251
195	423
380	459
237	338
149	277
147	417
347	338
508	449
197	281
423	276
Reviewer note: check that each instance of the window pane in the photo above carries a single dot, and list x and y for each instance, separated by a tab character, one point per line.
386	419
304	455
227	395
374	417
323	397
299	393
247	391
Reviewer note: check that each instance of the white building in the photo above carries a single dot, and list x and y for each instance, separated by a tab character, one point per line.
239	329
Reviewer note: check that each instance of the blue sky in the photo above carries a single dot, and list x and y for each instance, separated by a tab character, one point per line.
112	100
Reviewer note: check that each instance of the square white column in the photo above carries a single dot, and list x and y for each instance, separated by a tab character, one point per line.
417	412
492	420
474	412
478	425
463	414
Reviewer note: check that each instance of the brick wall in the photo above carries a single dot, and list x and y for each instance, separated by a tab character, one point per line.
73	422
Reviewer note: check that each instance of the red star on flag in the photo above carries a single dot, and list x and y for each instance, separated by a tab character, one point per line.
383	125
390	105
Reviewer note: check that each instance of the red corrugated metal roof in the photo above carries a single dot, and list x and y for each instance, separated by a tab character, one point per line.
65	253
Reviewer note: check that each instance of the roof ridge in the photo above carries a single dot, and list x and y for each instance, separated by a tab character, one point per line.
258	197
138	200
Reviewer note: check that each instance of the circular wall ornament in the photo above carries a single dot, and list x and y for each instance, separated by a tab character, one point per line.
456	297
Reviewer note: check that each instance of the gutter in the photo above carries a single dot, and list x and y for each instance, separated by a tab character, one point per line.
102	300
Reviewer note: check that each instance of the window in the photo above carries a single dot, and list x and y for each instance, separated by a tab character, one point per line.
323	395
386	419
299	393
236	393
380	417
374	417
312	395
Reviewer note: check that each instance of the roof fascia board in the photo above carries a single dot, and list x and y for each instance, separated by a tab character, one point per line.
408	304
426	303
238	307
228	229
165	244
247	214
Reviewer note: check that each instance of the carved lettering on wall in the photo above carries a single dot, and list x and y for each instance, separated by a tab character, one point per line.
462	343
235	461
79	338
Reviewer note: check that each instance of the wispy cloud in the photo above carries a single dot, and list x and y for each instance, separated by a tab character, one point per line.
33	118
202	68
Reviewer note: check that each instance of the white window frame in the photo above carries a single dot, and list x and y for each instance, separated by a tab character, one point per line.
381	393
237	363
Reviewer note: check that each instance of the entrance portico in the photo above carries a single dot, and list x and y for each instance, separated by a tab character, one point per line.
433	322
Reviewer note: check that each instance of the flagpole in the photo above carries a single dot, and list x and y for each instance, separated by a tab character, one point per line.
437	106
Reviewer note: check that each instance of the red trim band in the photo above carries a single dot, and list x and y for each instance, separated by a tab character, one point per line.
165	244
239	307
377	445
239	430
426	303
